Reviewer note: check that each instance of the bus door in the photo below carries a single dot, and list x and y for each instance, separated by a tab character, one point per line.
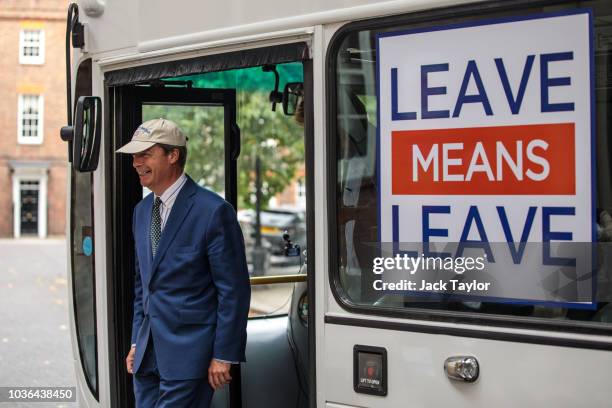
248	141
217	139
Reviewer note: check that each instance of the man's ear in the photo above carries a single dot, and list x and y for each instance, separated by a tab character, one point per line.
174	156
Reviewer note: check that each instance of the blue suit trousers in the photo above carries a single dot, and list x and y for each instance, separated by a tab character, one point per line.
153	391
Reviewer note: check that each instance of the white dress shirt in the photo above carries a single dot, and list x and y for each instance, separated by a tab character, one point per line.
168	198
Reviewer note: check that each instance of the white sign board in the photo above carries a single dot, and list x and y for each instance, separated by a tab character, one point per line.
486	136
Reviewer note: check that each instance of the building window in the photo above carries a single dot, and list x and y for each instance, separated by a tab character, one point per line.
30	119
32	46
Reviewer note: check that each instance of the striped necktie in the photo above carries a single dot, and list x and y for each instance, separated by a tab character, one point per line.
155	232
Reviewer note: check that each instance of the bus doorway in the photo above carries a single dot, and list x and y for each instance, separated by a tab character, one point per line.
254	155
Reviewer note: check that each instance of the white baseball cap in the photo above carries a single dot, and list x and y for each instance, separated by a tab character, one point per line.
154	131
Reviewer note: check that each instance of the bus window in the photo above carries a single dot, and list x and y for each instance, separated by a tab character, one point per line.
83	255
271	199
356	231
83	274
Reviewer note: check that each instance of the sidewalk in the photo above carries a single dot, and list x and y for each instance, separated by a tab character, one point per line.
35	345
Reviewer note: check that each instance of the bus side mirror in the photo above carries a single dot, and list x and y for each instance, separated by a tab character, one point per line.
291	96
86	133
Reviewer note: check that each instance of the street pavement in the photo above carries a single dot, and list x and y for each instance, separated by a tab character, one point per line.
35	345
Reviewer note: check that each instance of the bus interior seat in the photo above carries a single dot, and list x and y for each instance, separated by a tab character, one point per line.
275	374
268	378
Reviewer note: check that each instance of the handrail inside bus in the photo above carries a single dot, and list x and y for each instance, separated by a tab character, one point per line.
266	280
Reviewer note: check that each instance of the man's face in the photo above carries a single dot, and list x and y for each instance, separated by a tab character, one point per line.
155	168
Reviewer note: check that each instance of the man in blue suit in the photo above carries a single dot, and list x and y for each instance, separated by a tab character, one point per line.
191	291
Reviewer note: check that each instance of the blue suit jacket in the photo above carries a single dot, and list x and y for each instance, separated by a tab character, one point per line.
194	296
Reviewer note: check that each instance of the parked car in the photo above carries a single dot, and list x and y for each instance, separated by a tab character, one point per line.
274	223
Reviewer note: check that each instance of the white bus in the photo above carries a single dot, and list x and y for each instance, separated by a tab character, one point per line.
479	123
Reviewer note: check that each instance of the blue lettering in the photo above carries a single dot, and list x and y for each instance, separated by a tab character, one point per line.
395	228
474	217
514	103
548	235
517	255
481	97
395	115
546	82
433	232
427	91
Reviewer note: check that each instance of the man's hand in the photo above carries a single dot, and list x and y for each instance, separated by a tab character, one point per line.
129	360
218	374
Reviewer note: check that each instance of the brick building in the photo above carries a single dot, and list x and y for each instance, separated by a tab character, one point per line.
294	195
33	161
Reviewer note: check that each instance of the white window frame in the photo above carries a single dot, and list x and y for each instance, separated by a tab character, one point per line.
32	59
38	139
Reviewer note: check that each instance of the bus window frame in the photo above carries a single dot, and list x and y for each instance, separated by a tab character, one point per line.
476	11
